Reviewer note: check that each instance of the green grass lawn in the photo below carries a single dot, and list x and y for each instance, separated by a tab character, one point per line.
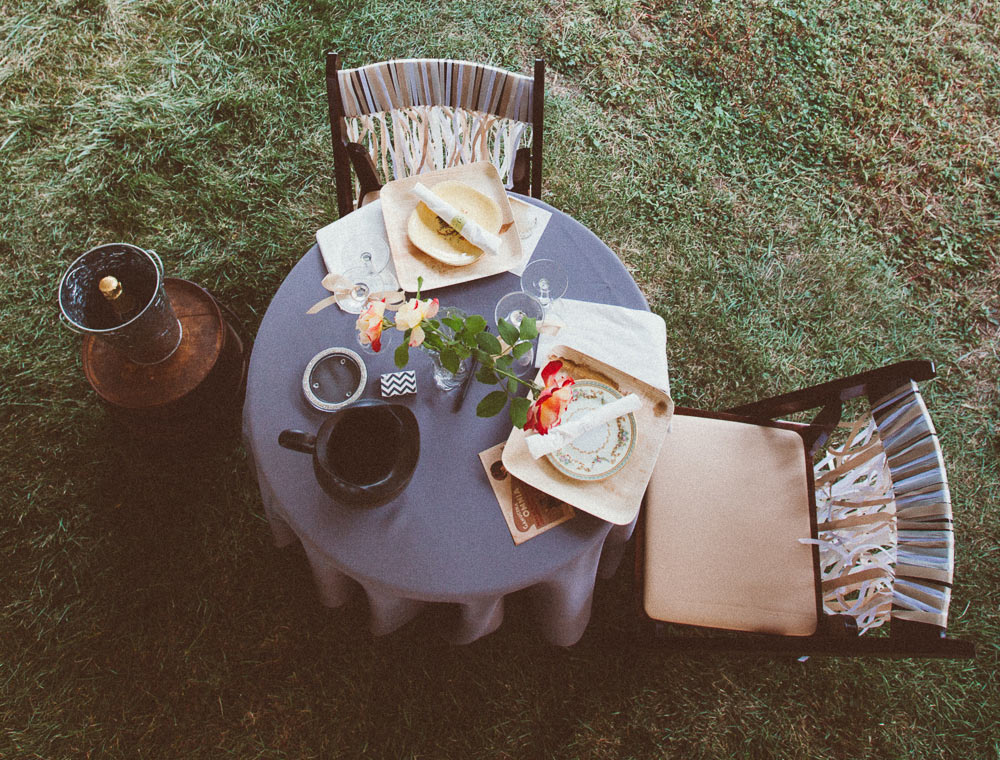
802	188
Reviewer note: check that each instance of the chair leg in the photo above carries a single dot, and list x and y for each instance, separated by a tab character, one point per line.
537	127
341	160
522	172
364	167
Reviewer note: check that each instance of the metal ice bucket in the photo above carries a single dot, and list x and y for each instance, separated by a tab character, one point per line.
148	336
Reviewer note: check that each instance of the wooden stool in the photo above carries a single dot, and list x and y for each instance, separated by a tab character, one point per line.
185	393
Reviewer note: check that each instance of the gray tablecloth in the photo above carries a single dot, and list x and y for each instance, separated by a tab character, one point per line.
444	540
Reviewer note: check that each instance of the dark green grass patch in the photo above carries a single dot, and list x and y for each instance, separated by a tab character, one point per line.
802	189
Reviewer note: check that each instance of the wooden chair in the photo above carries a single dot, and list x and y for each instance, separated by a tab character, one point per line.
800	541
394	119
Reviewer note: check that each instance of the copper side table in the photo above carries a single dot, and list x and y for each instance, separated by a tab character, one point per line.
187	392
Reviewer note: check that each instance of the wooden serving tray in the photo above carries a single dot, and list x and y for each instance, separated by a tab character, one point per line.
398	202
616	499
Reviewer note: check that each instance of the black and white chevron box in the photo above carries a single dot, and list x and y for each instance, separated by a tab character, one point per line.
399	383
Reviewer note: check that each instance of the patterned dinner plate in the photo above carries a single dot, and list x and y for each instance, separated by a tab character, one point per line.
603	451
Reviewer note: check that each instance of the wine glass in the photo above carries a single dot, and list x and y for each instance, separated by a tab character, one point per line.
374	257
525	226
368	273
515	307
364	284
546	280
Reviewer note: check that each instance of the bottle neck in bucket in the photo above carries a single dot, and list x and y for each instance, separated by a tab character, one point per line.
115	292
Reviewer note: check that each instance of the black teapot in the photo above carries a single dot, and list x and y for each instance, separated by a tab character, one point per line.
364	454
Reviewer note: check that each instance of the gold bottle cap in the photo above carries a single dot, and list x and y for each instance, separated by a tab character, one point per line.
110	287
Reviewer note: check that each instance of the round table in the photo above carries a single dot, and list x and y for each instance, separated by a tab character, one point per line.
444	538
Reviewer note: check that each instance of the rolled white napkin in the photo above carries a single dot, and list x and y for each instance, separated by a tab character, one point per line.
463	225
557	437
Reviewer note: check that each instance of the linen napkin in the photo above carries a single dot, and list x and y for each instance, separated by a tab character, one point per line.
634	341
566	432
462	224
341	242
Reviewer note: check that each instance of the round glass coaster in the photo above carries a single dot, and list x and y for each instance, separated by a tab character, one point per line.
334	378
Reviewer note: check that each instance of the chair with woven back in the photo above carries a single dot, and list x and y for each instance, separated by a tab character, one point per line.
800	541
393	119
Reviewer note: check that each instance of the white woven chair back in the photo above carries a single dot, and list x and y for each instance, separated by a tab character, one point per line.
884	517
419	115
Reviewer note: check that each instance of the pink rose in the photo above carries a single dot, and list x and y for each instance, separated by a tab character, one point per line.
546	410
369	324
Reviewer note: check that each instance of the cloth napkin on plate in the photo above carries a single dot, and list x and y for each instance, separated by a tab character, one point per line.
557	437
462	224
634	341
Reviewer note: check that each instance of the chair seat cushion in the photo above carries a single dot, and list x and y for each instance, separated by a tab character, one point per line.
724	512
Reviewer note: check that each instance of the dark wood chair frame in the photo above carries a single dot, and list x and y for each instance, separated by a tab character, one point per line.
835	634
527	172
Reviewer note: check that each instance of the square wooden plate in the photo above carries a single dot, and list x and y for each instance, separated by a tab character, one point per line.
398	202
616	499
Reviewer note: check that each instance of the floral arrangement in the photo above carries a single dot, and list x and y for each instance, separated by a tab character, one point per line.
455	339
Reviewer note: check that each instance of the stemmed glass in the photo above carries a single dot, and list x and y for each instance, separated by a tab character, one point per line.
515	307
525	226
370	275
546	280
375	256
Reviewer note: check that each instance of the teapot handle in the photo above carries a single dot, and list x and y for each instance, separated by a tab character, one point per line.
297	440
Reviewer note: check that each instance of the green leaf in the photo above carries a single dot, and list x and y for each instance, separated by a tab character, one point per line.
453	322
488	342
491	404
486	375
519	411
475	324
504	362
508	332
433	340
468	338
450	360
528	329
512	386
520	349
402	354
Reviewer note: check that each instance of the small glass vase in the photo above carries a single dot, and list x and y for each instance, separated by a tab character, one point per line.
444	378
447	380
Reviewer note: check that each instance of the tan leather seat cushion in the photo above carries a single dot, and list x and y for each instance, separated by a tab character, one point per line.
725	508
